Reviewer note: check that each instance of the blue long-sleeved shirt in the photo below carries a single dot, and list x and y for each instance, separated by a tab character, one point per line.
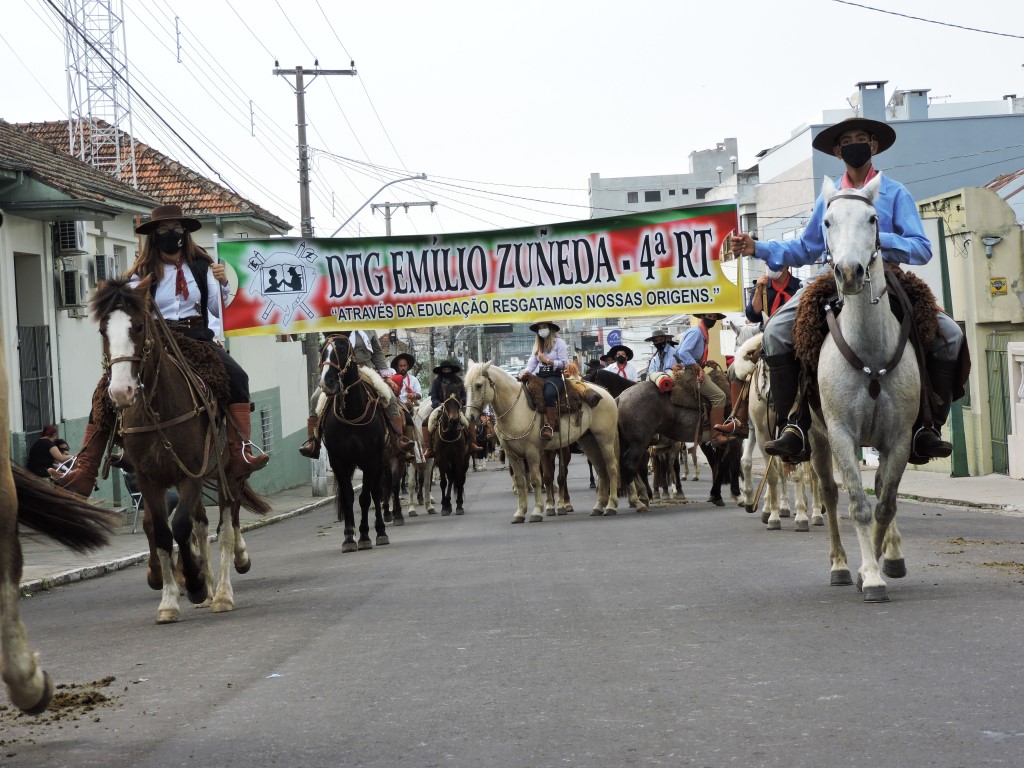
665	359
899	227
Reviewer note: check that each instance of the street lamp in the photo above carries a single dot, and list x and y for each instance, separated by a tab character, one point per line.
419	176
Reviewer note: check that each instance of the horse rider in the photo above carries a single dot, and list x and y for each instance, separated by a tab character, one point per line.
548	361
621	364
188	289
409	390
855	141
773	290
447	382
692	353
666	353
368	355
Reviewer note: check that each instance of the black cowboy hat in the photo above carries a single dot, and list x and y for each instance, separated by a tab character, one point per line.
882	133
167	213
709	315
663	331
594	364
403	356
624	348
553	326
605	359
448	364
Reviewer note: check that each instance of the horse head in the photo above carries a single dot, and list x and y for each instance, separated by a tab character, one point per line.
850	227
335	359
451	417
479	387
126	327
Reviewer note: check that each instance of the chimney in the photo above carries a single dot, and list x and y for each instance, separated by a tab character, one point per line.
917	104
872	99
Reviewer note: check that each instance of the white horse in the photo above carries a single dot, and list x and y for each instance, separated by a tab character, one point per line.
776	505
421	493
869	400
518	427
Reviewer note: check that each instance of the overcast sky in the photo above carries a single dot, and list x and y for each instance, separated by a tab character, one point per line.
506	107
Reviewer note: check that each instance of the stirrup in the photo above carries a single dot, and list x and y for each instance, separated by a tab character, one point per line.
771	447
736	426
547	432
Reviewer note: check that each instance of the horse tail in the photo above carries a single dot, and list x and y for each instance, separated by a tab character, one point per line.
61	515
627	468
252	501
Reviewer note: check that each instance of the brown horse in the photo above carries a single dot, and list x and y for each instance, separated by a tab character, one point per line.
53	512
174	436
451	451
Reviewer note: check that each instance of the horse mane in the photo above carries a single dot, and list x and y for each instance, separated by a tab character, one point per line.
117	293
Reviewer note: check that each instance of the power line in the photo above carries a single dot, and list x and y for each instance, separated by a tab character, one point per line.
929	21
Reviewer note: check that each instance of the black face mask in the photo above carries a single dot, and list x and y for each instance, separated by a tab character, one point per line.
710	323
660	345
169	242
855	155
621	359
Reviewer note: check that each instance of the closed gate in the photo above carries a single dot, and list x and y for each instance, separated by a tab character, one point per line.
998	400
36	379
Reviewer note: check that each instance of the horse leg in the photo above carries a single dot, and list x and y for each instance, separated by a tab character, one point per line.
534	458
564	502
516	464
161	546
547	466
818	506
380	527
770	514
242	560
367	496
428	485
446	492
200	540
460	487
224	597
191	532
801	523
821	464
747	467
886	535
345	503
412	482
692	450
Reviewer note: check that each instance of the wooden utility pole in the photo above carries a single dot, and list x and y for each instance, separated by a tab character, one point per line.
311	347
387	211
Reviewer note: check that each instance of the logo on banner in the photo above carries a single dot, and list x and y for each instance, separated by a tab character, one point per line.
614	337
283	280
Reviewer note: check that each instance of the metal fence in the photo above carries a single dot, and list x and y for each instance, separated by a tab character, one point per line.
998	399
36	379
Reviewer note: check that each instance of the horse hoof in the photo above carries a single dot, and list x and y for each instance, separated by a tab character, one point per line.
643	508
222	605
840	578
719	502
610	511
199	596
431	511
244	566
365	544
44	700
593	484
155	580
167	616
398	521
446	511
774	525
783	513
694	479
535	518
765	515
518	519
801	526
460	510
895	569
550	512
749	509
387	517
382	540
876	595
818	521
596	512
349	546
413	513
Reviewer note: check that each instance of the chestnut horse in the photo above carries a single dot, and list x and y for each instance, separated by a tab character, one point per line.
64	517
174	436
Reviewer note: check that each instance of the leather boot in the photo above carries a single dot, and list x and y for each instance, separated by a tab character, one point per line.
784	376
81	478
473	447
404	444
550	423
428	444
311	448
928	443
242	462
736	425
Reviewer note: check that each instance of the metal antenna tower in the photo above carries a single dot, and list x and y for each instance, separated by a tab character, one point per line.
99	100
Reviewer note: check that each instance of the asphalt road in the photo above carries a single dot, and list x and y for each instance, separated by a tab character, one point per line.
686	636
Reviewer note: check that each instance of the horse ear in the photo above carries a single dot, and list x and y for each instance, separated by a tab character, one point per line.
143	287
873	188
828	189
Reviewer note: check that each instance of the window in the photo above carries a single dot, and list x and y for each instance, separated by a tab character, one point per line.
671	192
702	192
652	197
684	191
632	197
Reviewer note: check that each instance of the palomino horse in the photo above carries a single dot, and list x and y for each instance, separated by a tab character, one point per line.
779	474
869	396
172	438
451	449
518	427
355	433
56	513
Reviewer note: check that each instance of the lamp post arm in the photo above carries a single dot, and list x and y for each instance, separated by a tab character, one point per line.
419	176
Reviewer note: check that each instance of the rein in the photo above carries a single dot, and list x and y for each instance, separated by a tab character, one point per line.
874	253
372	399
506	412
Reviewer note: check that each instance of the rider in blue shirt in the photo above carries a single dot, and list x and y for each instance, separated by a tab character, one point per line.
692	352
854	140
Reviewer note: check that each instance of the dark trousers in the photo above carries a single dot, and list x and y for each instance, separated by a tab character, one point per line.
553	385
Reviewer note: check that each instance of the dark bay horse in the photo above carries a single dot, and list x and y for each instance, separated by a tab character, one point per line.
58	514
355	433
451	452
174	436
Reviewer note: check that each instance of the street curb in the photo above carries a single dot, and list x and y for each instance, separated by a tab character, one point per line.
102	569
1007	509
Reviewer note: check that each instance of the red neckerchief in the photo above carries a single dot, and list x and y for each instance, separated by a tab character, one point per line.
704	333
781	296
845	183
180	284
622	369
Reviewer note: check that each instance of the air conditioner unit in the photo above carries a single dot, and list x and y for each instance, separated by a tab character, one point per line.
69	237
106	268
74	288
75	262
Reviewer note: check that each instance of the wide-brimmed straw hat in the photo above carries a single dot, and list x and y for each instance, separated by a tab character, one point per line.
624	348
167	213
659	332
448	364
553	326
403	356
883	133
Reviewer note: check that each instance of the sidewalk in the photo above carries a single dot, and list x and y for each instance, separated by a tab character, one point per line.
49	565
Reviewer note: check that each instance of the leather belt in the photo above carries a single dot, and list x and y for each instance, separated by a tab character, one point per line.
186	322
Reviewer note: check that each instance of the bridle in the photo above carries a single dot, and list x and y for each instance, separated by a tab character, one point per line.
372	399
486	376
874	254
